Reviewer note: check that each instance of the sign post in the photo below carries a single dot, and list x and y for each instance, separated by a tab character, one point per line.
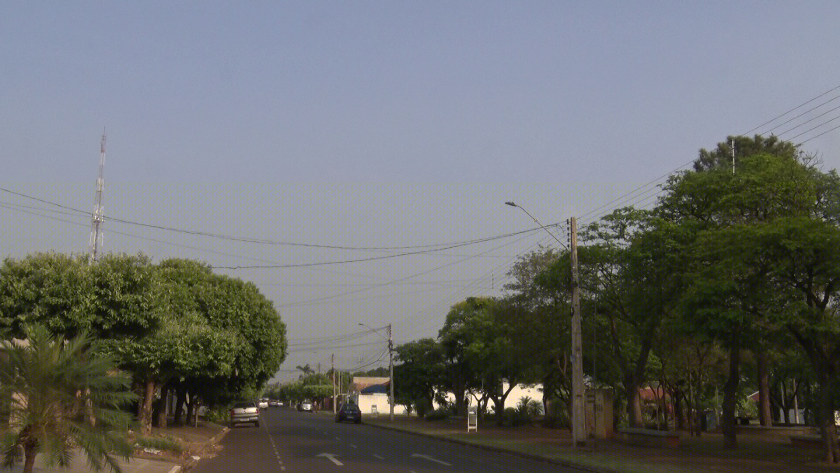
472	420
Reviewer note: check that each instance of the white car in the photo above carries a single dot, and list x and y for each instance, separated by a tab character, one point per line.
262	404
305	406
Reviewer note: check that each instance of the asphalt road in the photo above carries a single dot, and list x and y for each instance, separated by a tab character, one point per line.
300	442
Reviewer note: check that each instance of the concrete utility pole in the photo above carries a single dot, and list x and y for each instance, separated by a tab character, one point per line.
578	421
391	369
733	155
390	365
332	366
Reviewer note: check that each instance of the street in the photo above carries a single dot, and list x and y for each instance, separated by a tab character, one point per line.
293	441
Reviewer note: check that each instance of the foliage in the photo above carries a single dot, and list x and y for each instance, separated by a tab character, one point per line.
174	324
61	395
418	372
165	442
438	414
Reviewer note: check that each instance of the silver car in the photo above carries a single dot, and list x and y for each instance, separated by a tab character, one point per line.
245	412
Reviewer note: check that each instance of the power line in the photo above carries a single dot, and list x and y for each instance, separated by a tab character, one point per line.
430	247
792	110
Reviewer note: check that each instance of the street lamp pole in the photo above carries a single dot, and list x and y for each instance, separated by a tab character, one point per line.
578	420
391	369
390	366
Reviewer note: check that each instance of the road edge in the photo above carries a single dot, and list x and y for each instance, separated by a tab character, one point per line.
187	465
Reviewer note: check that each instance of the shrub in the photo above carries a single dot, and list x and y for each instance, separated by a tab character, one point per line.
515	417
218	414
437	414
161	443
422	407
557	416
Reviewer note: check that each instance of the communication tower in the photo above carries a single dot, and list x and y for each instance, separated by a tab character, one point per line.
97	218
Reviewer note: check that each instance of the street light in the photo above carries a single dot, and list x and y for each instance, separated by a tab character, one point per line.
578	422
513	204
390	366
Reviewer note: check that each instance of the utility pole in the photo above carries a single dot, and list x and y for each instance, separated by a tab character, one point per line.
732	142
97	218
332	368
391	369
578	421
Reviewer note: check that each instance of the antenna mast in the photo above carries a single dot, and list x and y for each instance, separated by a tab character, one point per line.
96	217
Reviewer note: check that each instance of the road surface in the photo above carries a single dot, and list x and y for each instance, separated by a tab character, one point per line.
301	442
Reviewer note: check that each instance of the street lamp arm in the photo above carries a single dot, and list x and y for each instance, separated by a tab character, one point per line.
513	204
372	329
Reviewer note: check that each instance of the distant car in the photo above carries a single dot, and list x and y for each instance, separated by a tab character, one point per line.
305	406
349	412
245	412
263	404
274	403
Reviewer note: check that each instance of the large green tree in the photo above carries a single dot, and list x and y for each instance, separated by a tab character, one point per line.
755	231
418	373
173	325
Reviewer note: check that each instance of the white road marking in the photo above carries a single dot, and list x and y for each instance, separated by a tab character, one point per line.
331	457
378	457
426	457
353	446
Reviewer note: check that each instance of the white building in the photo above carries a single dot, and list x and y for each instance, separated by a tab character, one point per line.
371	395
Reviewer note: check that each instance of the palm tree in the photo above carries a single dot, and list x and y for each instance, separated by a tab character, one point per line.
306	369
59	396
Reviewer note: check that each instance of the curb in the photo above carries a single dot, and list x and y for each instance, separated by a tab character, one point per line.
187	465
564	463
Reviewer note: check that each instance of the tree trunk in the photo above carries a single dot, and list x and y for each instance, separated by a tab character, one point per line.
460	400
144	416
29	453
161	407
190	408
500	410
679	414
730	390
634	406
828	430
765	413
181	399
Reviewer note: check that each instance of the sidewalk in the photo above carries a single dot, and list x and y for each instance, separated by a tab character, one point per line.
79	465
196	442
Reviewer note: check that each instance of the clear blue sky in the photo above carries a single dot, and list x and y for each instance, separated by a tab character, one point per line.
368	124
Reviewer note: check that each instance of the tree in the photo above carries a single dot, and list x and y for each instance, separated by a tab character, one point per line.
62	396
418	372
758	234
305	369
175	325
457	337
631	265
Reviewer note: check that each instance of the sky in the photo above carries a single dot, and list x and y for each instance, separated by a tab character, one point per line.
282	142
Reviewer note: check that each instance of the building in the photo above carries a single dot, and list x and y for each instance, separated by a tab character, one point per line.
371	395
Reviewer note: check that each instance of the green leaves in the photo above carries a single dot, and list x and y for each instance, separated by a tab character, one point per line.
59	394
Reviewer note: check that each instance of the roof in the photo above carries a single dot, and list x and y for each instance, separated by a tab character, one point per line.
367	385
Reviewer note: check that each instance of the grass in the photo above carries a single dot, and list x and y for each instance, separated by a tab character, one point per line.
694	455
167	443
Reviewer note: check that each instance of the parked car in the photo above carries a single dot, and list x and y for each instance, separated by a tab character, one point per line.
273	403
305	406
245	412
349	412
263	404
